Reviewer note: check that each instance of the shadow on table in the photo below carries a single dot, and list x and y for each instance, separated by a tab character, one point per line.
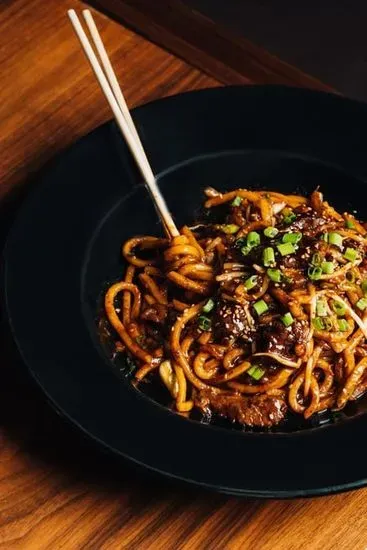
29	423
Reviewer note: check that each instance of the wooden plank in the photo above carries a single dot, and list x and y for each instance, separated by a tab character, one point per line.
205	44
56	491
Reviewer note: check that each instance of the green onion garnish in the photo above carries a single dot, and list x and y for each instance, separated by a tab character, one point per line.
274	275
349	224
316	259
318	323
237	201
339	308
268	257
290	218
364	286
251	282
260	307
208	306
253	239
287	319
245	250
351	254
335	239
255	372
230	229
362	304
342	325
324	237
204	322
271	232
314	273
286	248
327	267
321	308
293	238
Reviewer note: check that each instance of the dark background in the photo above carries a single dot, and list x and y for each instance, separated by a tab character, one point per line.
326	38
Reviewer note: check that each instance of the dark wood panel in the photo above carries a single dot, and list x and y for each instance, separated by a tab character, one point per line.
205	44
327	39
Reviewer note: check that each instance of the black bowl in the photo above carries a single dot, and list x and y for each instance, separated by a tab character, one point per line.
65	246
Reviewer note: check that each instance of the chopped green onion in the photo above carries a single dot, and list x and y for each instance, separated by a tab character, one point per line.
271	232
230	229
342	325
253	239
208	306
362	304
255	372
274	275
318	323
260	307
290	218
293	238
286	248
321	308
324	237
351	254
245	250
204	322
364	286
237	201
251	282
287	319
350	276
316	259
339	308
268	257
314	273
327	267
349	224
335	239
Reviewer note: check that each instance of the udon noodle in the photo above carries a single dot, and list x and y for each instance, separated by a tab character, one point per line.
261	314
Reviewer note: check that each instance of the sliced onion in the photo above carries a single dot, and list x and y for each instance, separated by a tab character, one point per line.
278	207
352	313
211	192
230	275
279	359
168	377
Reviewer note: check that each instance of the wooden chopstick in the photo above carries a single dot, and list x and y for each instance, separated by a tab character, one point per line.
112	79
131	135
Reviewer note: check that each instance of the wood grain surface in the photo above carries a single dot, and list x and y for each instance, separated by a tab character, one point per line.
56	490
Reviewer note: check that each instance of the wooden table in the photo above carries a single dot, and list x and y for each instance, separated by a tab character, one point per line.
56	492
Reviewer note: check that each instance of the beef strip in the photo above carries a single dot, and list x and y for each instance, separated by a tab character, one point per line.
156	313
259	410
276	338
308	221
230	322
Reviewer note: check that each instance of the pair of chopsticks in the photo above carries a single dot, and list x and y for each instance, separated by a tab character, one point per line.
107	80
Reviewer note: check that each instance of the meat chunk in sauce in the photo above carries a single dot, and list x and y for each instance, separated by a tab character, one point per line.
287	341
157	313
308	221
230	322
257	411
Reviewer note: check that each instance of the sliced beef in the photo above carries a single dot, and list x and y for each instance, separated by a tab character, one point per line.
157	313
308	221
276	338
230	322
259	410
